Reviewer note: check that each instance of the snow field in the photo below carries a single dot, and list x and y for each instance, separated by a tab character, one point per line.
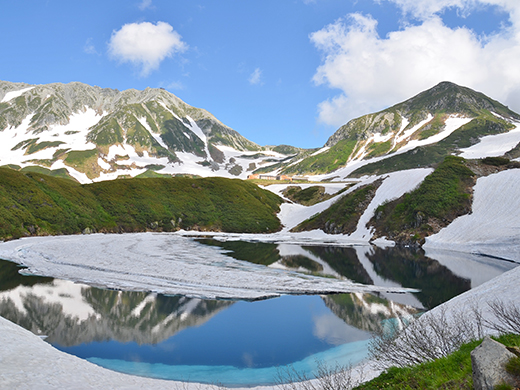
14	94
493	145
493	227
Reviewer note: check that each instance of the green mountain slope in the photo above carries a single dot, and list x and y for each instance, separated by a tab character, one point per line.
37	204
442	196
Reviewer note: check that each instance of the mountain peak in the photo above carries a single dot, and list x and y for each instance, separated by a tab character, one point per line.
451	98
427	118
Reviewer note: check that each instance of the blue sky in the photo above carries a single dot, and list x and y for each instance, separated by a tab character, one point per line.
277	71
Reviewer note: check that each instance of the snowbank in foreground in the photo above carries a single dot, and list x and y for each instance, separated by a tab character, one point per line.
493	227
28	362
167	264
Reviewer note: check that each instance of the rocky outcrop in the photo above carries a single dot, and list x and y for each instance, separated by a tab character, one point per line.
488	361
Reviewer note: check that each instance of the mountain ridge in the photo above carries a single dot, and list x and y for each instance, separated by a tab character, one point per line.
91	133
151	124
427	118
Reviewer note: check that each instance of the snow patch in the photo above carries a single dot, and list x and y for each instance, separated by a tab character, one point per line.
14	94
493	227
103	164
493	145
451	124
322	150
395	185
404	122
79	176
292	214
408	133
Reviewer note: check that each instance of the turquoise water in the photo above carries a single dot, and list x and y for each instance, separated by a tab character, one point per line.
353	353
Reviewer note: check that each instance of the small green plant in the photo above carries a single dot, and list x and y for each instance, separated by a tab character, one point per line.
513	366
504	386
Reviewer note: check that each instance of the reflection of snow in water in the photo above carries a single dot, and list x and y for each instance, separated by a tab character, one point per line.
406	299
64	293
164	263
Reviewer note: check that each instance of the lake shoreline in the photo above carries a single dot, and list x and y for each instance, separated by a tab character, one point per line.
45	367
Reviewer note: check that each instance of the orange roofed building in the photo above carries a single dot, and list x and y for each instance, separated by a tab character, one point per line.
269	177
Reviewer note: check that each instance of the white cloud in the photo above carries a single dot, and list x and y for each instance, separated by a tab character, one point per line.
89	47
255	77
145	44
145	4
425	8
172	85
373	72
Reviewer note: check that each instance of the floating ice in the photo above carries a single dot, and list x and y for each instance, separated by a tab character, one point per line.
167	264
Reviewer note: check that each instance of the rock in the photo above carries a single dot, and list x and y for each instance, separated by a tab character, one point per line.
488	362
87	230
31	229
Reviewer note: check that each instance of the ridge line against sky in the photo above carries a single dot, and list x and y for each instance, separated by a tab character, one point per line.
277	71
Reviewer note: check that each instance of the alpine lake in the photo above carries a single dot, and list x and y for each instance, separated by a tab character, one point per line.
241	343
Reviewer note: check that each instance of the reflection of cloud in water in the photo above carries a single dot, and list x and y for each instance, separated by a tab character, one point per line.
334	331
248	359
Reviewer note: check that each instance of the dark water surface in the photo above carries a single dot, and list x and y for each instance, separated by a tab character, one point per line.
238	342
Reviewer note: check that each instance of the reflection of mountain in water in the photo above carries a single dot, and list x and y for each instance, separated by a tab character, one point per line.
344	261
10	278
254	252
410	268
71	314
397	266
366	311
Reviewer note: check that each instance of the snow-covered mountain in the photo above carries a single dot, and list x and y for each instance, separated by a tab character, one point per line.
437	122
95	134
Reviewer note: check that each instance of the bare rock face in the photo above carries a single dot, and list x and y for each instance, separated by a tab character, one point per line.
488	361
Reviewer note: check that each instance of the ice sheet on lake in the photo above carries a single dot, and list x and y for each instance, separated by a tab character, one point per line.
167	264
